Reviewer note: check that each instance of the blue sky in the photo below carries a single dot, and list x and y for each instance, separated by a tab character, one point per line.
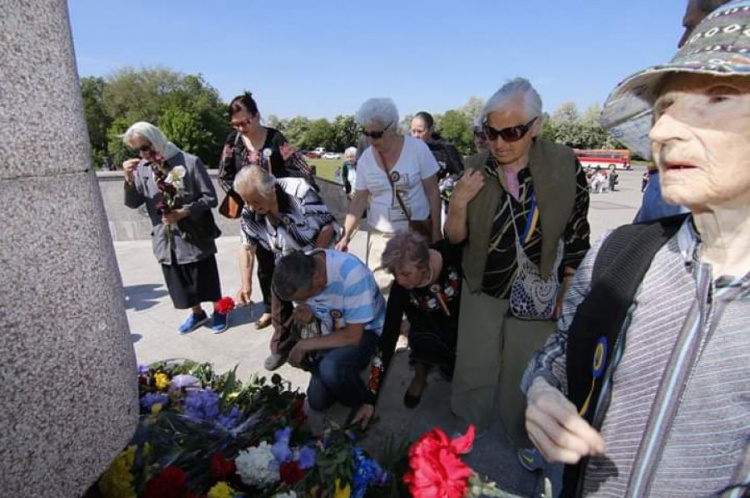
320	59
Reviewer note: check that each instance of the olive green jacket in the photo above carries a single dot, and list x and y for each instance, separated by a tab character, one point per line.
553	173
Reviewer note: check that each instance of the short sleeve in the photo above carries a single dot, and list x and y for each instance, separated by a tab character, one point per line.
428	165
359	292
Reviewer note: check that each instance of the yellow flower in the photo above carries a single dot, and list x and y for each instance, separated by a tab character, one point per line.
342	492
221	490
117	481
162	381
155	408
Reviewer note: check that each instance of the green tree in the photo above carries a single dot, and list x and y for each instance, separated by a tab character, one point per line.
346	133
295	131
320	133
97	120
473	107
456	127
273	121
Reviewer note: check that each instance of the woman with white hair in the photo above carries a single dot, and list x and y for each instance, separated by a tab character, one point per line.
349	169
281	216
179	195
398	175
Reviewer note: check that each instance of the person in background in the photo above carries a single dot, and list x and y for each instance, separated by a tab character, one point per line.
187	259
447	156
643	390
338	291
521	205
281	215
349	170
396	182
251	143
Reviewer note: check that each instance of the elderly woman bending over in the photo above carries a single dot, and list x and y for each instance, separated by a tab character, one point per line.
428	290
397	175
281	215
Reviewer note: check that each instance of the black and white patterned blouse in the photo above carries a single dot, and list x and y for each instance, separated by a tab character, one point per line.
302	213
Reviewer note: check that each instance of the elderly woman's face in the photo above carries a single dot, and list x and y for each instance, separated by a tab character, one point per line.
377	135
410	276
141	145
701	140
260	203
419	129
514	114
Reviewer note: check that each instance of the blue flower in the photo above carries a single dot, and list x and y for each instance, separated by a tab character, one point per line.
280	448
142	369
366	472
150	399
306	458
229	419
201	405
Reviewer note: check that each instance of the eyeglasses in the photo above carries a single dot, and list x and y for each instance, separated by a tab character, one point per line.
143	148
510	134
237	125
376	134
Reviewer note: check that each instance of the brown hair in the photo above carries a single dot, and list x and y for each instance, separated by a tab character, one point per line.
406	248
244	102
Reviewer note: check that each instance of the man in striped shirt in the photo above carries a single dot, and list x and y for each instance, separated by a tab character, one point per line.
668	406
338	290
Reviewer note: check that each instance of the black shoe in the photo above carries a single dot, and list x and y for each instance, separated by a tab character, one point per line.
411	401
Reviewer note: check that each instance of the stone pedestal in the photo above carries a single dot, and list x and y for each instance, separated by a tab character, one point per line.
67	365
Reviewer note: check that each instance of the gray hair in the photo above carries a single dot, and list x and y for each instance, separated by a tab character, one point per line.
154	135
293	273
252	178
406	248
350	152
518	87
380	111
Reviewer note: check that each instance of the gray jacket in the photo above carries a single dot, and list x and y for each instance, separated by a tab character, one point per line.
198	196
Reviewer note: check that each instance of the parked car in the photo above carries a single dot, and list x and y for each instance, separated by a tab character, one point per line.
331	155
320	151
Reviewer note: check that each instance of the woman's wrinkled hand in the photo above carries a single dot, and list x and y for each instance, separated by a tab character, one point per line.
555	427
467	187
363	415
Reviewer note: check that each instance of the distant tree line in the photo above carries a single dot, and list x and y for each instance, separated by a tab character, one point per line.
189	110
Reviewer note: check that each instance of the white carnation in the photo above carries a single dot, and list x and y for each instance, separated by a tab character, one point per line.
290	494
253	466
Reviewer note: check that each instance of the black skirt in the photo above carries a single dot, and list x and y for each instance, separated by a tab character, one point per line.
193	283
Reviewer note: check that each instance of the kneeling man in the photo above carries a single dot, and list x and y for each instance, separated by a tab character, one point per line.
338	290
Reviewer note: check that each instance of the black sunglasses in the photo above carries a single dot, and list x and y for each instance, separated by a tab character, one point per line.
143	148
510	134
376	134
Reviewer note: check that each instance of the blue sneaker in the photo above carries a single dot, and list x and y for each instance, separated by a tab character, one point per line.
194	321
220	323
530	459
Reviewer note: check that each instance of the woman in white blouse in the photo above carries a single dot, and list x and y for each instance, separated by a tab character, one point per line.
396	182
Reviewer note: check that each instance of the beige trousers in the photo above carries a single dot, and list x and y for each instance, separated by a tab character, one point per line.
376	242
493	347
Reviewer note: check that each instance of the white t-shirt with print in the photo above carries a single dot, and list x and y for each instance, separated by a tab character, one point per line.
416	163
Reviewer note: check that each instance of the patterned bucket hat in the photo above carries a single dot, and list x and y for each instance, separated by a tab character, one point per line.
720	45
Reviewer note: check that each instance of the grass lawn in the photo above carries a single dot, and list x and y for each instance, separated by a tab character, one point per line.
325	167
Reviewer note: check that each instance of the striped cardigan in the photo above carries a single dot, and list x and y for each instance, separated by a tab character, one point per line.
691	437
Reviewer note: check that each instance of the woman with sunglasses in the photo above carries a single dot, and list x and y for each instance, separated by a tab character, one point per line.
251	143
520	205
398	175
183	229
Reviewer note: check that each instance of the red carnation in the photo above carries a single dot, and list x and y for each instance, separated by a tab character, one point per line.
298	411
221	468
170	483
436	469
290	472
224	305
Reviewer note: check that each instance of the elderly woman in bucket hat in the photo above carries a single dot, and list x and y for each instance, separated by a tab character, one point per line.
645	383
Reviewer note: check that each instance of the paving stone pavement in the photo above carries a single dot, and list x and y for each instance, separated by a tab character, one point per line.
153	324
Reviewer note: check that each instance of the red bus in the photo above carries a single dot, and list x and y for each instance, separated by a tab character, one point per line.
604	158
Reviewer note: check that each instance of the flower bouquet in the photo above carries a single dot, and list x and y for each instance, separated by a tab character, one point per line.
206	435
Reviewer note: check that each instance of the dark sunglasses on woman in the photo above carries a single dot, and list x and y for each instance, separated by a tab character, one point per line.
376	134
510	134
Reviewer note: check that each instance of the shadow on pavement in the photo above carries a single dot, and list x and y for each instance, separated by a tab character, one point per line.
143	296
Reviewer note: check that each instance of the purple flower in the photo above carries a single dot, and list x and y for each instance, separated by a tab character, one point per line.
161	208
150	399
142	369
201	405
306	458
